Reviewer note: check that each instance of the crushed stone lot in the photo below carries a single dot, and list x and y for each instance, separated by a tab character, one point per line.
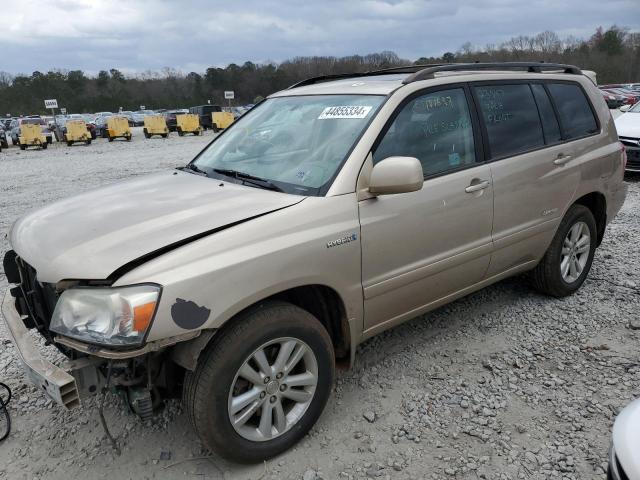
503	384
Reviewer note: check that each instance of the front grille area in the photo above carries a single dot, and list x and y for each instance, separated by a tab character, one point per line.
34	300
633	158
633	152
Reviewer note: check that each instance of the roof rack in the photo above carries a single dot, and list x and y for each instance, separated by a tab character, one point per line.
537	67
424	72
384	71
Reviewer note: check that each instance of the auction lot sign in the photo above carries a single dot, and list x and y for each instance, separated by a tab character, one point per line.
53	103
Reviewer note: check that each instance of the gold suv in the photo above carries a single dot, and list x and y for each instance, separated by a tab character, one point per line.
330	212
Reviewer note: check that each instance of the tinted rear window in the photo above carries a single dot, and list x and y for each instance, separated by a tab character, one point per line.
511	119
573	107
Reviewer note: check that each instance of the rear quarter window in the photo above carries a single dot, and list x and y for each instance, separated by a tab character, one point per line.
574	110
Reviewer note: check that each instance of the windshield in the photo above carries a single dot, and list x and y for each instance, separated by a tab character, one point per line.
635	108
297	143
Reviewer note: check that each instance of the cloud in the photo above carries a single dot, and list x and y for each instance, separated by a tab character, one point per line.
140	35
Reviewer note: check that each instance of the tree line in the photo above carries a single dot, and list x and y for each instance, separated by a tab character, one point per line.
614	54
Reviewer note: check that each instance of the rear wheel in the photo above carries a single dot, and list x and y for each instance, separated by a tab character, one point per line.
110	138
180	132
23	147
69	143
44	145
261	384
88	142
567	262
146	133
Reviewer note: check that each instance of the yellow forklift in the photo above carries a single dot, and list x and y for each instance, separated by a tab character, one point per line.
77	132
118	127
221	120
188	123
31	136
155	125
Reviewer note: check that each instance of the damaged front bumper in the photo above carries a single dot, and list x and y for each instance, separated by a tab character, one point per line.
58	383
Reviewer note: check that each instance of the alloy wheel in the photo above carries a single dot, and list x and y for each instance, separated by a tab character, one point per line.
273	389
575	252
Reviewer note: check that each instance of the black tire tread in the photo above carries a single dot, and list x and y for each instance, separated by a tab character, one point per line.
543	276
222	344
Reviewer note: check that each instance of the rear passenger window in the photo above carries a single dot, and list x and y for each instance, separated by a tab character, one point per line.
511	118
573	107
434	128
550	125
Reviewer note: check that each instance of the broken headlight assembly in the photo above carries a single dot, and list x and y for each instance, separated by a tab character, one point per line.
112	316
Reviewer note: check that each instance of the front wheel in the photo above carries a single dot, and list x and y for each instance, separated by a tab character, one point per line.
262	383
567	262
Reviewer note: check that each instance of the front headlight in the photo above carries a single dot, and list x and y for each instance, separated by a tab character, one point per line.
108	316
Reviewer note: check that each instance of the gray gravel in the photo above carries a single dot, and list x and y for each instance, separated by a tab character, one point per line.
504	384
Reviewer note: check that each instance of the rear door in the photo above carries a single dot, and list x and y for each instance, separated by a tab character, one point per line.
534	168
420	248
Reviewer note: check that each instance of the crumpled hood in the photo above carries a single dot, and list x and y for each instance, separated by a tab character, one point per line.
91	235
628	125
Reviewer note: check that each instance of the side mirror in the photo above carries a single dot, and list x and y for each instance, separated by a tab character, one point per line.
396	175
625	108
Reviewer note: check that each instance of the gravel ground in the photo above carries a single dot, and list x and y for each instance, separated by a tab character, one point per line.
503	384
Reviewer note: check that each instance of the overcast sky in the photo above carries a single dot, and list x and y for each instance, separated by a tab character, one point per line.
191	35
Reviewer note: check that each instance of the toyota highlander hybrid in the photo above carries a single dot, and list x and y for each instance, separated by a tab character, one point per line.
330	212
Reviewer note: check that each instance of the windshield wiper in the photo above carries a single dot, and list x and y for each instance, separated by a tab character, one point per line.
248	178
192	167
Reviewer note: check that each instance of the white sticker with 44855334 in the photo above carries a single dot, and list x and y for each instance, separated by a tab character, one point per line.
345	111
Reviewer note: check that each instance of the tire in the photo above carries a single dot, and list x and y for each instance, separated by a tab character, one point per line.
23	147
207	391
44	145
110	138
180	132
547	277
146	133
165	135
215	128
69	143
88	142
128	137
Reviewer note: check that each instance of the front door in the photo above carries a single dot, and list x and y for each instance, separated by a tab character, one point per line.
423	247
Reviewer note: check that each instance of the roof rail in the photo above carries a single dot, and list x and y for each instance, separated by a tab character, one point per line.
384	71
537	67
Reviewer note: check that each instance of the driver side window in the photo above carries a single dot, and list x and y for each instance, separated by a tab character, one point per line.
434	128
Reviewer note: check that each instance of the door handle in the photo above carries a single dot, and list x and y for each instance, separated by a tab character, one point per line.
562	159
476	187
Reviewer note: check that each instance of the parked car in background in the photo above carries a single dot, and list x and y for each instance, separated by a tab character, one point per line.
4	143
613	100
100	123
170	117
624	457
32	120
630	98
628	127
204	112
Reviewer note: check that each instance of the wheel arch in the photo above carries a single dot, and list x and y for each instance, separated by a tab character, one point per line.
596	202
321	301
